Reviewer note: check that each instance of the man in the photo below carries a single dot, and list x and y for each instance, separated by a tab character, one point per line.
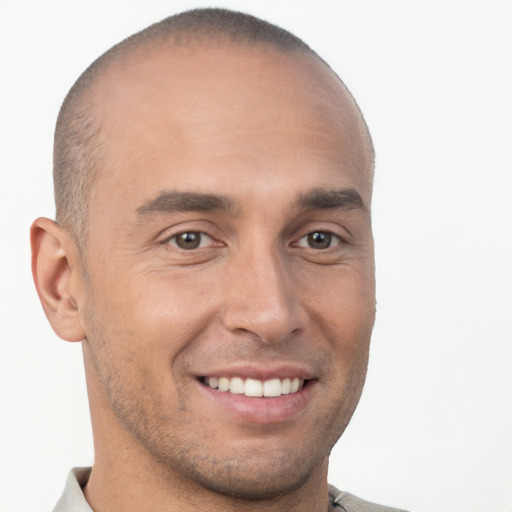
213	253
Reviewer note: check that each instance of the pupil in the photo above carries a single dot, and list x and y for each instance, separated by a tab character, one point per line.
319	240
188	240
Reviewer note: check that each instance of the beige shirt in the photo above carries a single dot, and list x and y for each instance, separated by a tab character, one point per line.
73	500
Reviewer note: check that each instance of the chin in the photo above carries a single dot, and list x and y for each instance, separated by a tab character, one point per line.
247	479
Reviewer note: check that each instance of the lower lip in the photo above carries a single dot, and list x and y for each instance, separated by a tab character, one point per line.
260	410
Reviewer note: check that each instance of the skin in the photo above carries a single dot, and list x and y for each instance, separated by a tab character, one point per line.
262	129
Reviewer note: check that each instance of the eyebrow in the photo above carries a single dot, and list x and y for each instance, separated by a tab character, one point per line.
171	201
325	199
316	199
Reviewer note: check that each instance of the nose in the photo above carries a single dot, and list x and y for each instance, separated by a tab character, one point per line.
261	297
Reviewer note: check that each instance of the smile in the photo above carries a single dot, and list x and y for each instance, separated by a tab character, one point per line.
256	388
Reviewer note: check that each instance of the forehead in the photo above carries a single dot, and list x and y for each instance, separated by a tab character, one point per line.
253	108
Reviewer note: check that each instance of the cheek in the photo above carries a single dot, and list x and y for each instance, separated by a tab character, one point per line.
162	303
131	362
345	298
141	330
344	311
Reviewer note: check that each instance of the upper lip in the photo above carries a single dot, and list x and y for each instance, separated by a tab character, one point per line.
261	371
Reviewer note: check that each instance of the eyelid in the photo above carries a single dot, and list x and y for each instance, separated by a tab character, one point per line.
201	225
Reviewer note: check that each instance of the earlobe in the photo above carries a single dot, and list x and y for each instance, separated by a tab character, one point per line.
56	266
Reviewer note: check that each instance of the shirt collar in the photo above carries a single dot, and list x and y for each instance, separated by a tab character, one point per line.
73	499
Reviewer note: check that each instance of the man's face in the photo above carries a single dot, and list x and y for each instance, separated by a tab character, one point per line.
229	244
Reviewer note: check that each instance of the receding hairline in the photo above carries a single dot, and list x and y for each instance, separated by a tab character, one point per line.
79	145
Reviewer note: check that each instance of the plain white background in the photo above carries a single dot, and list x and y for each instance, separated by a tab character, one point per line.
433	432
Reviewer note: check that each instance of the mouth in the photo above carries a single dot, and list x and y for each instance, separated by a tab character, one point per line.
254	388
252	395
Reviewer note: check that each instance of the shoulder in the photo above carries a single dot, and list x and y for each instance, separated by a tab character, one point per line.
347	502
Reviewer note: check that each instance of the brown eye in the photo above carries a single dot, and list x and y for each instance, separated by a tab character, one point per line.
190	240
319	240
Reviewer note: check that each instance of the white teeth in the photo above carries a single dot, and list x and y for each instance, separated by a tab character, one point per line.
237	386
256	388
253	387
223	384
272	387
286	386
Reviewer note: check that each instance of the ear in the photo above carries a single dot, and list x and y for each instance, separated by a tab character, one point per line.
58	276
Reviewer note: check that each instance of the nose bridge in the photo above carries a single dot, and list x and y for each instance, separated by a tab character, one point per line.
261	299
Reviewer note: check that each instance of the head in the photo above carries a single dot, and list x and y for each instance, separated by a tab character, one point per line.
213	182
79	148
